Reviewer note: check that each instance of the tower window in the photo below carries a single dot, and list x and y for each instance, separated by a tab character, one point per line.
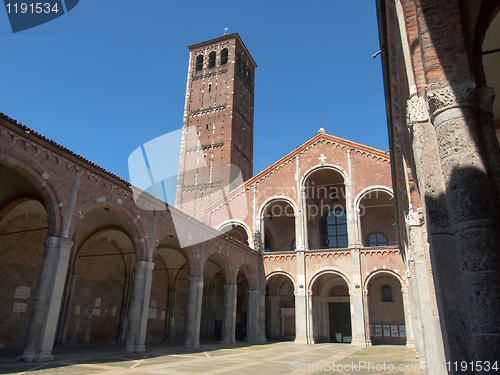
224	56
240	63
211	59
199	62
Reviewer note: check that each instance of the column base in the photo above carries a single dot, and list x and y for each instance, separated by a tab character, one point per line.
134	349
228	342
304	341
361	342
256	340
192	345
410	344
32	356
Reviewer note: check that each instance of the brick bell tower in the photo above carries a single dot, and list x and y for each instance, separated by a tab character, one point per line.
217	136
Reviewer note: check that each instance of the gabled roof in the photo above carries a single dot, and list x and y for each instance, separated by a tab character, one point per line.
292	154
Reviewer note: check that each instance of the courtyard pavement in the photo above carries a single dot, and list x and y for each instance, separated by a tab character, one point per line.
211	359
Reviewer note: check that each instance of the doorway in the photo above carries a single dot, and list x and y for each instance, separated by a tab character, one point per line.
340	321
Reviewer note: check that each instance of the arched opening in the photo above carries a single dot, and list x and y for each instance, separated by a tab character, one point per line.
331	309
199	63
325	200
386	312
160	288
236	231
211	59
279	219
280	308
23	227
377	219
212	308
224	56
169	288
99	280
241	306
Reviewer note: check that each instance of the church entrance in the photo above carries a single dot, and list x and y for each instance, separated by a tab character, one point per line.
340	321
331	308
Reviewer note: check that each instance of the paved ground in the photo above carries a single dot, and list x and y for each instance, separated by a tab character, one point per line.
211	359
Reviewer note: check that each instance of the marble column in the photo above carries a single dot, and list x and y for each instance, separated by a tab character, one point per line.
256	316
193	312
48	297
366	313
356	301
230	295
139	307
301	302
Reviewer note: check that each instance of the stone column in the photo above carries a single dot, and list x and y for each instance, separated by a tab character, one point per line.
425	147
352	226
230	296
47	303
256	317
193	312
301	302
410	341
139	307
302	242
356	301
366	314
472	204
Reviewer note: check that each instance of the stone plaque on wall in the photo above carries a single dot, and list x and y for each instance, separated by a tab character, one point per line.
96	312
378	330
23	292
152	313
20	307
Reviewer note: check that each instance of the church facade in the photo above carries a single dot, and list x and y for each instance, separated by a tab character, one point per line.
306	250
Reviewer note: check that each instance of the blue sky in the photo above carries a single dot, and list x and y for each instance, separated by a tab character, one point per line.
110	75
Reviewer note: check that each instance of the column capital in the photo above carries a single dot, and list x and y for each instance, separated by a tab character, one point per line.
442	96
142	264
55	241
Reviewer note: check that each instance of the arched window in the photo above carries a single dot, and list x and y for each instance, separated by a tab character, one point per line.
334	230
211	59
376	239
199	62
224	56
387	293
